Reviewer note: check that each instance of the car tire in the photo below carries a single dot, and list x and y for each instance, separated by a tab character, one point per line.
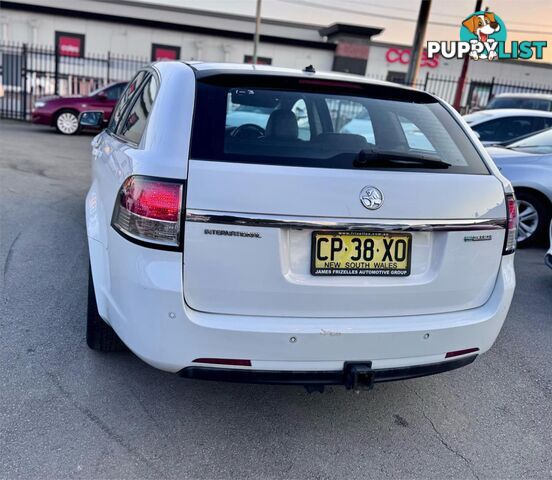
534	218
67	122
99	335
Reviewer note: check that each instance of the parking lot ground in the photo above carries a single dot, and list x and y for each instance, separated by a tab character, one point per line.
69	412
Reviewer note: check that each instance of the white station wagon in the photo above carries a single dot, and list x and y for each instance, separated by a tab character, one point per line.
282	249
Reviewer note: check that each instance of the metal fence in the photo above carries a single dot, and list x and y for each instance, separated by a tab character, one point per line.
477	92
28	72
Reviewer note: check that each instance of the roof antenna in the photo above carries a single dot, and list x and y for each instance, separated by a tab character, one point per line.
309	69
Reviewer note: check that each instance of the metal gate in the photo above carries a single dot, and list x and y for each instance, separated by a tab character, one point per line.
28	72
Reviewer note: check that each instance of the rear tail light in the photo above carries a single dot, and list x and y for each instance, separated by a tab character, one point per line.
512	224
149	210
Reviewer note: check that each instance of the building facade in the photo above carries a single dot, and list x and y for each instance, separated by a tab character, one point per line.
117	37
154	31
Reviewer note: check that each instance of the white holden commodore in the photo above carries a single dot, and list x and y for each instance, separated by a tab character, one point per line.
237	232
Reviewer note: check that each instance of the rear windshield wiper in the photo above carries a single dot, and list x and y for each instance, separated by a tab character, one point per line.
382	158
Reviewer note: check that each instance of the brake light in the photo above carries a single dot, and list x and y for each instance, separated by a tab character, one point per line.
149	210
330	83
512	224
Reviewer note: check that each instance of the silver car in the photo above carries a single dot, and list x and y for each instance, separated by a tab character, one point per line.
548	256
527	163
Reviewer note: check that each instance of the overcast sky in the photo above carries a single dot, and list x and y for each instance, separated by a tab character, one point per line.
524	15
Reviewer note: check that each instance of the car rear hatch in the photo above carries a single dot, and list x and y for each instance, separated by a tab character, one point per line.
274	222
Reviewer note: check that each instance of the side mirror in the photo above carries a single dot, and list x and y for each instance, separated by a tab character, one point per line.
91	119
101	95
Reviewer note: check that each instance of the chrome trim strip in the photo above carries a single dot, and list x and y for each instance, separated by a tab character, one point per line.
299	223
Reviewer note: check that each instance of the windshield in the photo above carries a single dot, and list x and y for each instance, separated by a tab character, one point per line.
95	92
299	124
538	143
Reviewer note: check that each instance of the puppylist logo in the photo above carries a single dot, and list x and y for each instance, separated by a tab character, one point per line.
483	36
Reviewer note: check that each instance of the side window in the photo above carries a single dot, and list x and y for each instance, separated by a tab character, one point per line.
124	100
134	123
537	123
488	131
525	125
114	92
504	129
350	117
414	136
300	111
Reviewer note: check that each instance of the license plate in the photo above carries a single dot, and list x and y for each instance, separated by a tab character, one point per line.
361	253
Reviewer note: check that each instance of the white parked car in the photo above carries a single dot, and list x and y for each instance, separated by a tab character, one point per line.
505	125
247	253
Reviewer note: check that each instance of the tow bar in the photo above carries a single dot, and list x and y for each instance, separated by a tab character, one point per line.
358	376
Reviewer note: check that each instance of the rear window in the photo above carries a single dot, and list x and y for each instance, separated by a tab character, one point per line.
520	102
324	124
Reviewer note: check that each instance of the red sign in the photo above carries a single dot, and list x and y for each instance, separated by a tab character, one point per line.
402	55
260	60
352	50
164	52
70	44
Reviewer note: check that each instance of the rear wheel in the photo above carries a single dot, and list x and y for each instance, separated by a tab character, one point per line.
99	335
67	122
534	218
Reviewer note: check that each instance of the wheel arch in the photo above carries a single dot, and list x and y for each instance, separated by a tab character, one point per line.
536	192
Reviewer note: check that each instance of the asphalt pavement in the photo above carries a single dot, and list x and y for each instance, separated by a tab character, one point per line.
69	412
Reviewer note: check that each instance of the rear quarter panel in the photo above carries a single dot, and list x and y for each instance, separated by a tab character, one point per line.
163	152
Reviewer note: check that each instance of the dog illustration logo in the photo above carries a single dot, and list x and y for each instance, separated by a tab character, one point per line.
483	36
484	28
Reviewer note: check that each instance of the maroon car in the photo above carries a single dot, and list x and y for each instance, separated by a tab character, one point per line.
63	112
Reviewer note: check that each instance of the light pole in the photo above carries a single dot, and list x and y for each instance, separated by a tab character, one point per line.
257	30
457	104
421	27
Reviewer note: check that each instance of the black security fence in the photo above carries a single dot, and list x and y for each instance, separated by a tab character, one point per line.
476	92
28	72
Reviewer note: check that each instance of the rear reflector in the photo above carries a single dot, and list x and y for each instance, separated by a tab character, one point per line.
457	353
149	210
512	219
224	361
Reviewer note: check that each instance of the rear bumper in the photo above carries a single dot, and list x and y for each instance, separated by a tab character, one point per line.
320	377
139	293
